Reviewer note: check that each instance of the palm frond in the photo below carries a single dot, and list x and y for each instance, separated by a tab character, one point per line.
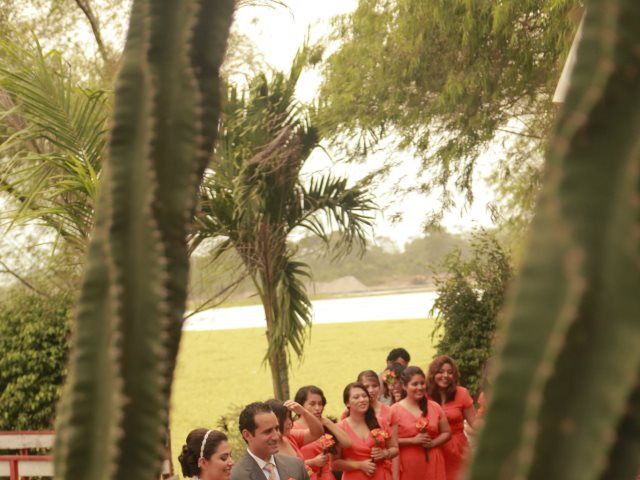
294	307
52	142
327	204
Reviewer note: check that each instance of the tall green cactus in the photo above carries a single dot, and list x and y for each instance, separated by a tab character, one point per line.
113	415
565	403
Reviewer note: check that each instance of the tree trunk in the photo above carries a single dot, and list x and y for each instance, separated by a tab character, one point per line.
278	357
279	374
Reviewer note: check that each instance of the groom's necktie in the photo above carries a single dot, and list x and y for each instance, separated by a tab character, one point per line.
271	471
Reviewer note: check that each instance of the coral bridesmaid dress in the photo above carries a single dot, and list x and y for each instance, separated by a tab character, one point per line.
296	440
384	414
455	450
361	450
413	464
312	450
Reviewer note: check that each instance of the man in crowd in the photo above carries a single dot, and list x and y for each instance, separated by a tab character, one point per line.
259	428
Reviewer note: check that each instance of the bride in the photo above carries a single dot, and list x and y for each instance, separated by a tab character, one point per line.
206	455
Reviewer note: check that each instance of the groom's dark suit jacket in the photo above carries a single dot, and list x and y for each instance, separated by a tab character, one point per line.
288	467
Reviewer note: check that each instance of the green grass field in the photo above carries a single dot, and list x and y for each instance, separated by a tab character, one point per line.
218	369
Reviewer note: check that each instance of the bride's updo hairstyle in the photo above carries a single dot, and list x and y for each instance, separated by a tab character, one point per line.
200	443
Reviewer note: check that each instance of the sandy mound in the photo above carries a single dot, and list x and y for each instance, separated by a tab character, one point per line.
348	284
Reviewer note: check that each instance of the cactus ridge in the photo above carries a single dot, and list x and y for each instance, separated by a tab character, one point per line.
137	260
571	319
179	147
114	414
624	453
85	421
174	151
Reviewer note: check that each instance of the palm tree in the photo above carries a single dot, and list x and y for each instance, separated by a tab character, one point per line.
254	199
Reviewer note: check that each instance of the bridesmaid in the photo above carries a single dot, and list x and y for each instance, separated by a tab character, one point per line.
206	455
371	381
442	386
316	454
391	384
373	442
420	424
291	441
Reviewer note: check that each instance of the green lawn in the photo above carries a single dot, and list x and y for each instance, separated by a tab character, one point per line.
218	369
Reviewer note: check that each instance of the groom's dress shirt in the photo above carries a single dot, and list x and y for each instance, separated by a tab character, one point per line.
262	464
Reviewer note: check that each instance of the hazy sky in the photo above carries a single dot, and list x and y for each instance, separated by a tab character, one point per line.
279	33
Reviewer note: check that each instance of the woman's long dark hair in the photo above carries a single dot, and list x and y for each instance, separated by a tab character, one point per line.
407	374
432	388
370	415
301	397
282	412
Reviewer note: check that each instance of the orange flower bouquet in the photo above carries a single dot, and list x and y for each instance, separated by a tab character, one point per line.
389	377
422	425
380	437
326	442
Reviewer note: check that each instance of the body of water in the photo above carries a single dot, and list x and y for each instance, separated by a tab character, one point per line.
398	306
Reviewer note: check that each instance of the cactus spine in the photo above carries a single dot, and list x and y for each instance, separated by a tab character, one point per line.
565	402
113	415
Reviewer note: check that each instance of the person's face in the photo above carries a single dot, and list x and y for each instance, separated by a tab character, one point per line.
314	404
373	388
398	360
445	376
218	466
416	387
358	401
401	361
264	441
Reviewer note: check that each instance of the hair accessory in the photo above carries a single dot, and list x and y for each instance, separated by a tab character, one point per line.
204	441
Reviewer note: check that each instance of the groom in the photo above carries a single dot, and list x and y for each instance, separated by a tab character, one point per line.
259	427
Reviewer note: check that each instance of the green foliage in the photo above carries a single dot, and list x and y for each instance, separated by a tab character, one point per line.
470	295
556	410
91	33
228	423
447	78
52	142
112	420
34	332
254	200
